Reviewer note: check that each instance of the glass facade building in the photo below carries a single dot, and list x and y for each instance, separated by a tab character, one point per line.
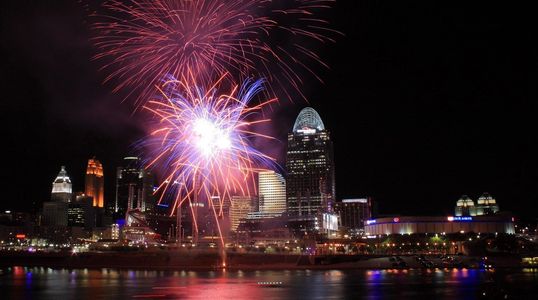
240	207
272	192
310	186
134	188
354	213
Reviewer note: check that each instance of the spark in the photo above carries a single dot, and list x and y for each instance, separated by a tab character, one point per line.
201	141
142	41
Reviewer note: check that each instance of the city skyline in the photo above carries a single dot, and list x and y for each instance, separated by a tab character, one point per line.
423	137
268	149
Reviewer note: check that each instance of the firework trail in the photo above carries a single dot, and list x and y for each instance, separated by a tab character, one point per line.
201	140
142	41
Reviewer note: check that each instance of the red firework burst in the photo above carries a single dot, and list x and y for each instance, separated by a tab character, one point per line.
143	41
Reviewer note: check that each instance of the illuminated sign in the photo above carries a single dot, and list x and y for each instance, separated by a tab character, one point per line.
21	236
368	222
361	200
450	218
306	131
396	220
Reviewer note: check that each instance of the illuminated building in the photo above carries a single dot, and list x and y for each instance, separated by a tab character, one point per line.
62	187
354	212
223	211
134	188
465	207
486	205
440	225
239	209
115	231
55	211
81	213
310	188
137	229
272	192
95	183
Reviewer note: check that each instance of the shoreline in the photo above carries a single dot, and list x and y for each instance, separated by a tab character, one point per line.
210	261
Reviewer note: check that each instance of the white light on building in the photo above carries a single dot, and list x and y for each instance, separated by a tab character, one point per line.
272	191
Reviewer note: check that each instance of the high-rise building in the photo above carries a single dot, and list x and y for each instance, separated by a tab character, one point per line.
134	188
55	210
95	183
239	209
310	186
354	212
272	192
81	213
55	213
62	189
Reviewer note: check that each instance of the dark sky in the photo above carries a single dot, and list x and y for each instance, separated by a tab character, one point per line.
425	102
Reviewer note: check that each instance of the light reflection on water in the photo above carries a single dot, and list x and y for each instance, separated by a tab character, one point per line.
62	284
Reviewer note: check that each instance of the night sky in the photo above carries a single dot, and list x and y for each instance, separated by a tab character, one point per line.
424	101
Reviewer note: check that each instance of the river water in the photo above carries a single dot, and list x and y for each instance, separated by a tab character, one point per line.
63	284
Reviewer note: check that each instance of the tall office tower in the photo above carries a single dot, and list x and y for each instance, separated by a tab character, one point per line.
310	187
62	190
95	182
81	213
272	192
239	209
128	186
134	188
55	211
148	183
354	212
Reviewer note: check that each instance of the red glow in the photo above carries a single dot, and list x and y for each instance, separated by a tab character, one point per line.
21	236
147	40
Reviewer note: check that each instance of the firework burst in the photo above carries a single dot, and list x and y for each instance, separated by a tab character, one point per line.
201	140
142	41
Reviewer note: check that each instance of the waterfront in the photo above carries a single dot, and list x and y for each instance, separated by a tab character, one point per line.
47	283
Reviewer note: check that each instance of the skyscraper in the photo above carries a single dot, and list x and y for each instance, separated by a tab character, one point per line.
62	189
55	211
272	192
134	188
310	187
81	213
95	183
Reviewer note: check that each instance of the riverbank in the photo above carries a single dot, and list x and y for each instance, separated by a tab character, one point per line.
204	260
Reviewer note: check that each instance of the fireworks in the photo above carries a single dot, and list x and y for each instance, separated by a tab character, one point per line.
201	139
142	41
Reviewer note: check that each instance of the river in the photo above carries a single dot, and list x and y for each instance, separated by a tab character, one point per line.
63	284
